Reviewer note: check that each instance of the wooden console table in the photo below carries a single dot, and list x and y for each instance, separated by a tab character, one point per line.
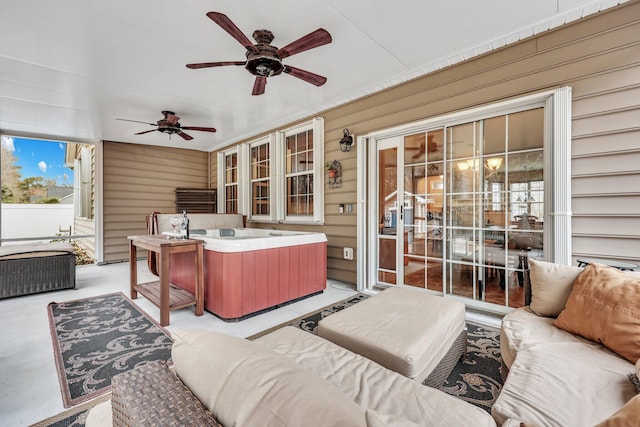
160	292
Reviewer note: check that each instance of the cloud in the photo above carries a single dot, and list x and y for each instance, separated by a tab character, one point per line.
7	143
42	165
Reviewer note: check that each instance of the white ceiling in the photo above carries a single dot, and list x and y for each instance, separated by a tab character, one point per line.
69	68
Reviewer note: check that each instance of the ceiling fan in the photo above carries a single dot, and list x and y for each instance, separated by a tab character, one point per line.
431	147
170	124
265	60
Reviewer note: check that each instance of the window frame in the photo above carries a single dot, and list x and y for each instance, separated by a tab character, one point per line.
317	126
222	182
248	190
278	177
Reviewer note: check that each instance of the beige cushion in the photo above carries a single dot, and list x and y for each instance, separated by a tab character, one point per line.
100	415
244	384
627	416
551	285
375	419
390	397
405	330
521	329
564	384
604	306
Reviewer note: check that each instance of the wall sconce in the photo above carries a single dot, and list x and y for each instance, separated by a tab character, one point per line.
347	141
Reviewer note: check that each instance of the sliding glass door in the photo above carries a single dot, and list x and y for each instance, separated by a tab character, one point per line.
460	207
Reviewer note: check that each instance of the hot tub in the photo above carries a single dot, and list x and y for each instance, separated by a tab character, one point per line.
248	270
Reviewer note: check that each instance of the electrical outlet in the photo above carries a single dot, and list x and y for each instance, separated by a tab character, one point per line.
348	253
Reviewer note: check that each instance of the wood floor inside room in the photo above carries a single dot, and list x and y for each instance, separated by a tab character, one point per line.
460	284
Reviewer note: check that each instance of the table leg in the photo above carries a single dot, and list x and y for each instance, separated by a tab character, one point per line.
199	281
164	287
133	270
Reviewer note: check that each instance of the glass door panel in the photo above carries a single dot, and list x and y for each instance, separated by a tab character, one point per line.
388	213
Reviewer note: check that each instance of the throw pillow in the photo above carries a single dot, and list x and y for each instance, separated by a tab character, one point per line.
551	285
627	416
604	306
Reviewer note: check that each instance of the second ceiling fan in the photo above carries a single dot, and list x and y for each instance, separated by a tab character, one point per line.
265	60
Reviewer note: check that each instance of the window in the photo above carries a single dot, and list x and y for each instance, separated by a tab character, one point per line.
228	181
260	179
302	157
278	178
299	173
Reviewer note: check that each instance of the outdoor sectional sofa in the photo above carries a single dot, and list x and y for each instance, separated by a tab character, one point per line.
33	268
569	355
285	378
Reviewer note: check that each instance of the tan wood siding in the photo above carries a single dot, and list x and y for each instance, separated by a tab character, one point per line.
140	179
599	57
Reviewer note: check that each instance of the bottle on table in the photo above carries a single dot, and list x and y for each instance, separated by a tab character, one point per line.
184	232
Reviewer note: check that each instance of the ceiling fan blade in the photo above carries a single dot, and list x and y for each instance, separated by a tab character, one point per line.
146	131
259	85
232	29
199	128
317	38
185	136
215	64
137	121
307	76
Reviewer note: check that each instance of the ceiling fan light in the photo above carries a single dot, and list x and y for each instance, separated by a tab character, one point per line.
264	70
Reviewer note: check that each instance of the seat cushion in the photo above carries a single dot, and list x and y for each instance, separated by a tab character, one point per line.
405	330
564	384
393	399
521	328
243	383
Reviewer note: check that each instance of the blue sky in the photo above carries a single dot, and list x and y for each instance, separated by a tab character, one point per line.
40	158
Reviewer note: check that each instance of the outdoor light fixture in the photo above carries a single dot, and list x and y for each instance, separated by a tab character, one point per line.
347	141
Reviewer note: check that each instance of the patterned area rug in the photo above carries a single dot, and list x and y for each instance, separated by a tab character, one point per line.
475	378
99	337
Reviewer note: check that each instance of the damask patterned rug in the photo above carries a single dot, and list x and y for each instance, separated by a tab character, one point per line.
96	338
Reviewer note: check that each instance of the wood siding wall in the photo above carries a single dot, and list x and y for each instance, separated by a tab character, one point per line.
599	57
138	180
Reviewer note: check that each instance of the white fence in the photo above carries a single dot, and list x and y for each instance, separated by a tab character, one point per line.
34	220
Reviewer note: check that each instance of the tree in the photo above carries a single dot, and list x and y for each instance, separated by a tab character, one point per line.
10	176
33	186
